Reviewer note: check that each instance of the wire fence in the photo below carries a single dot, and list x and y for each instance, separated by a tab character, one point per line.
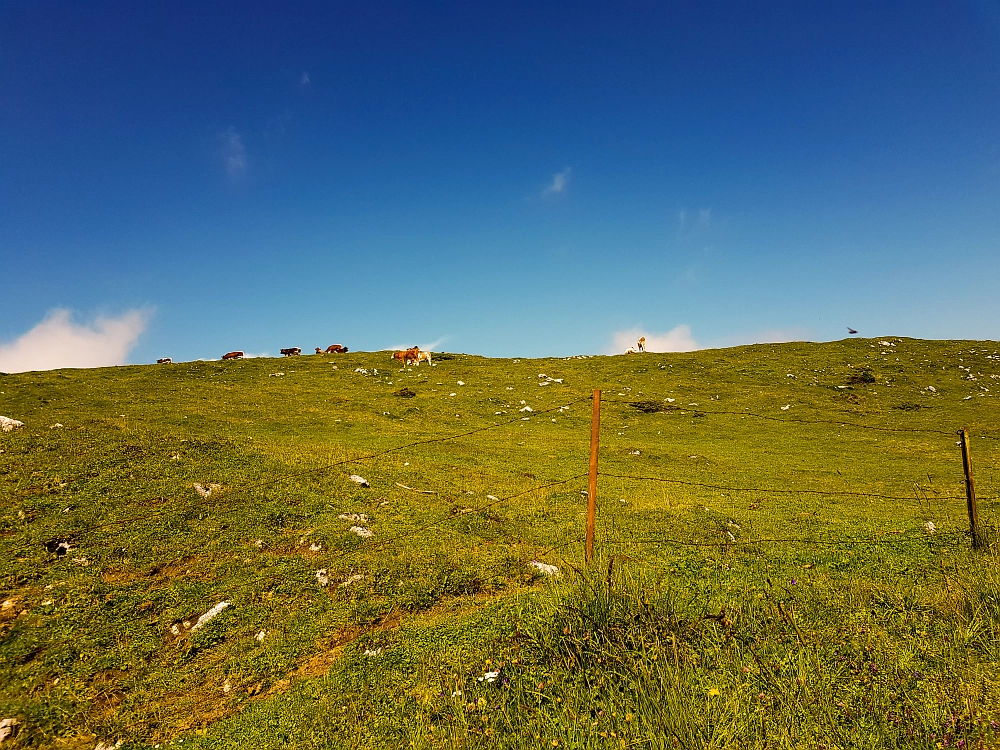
920	495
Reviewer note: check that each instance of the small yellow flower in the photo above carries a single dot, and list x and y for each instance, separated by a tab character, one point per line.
714	692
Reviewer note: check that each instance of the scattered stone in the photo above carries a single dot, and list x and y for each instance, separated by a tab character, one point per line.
260	636
373	652
361	531
56	426
7	424
359	517
929	527
210	614
322	578
81	561
8	728
359	480
205	490
549	570
349	580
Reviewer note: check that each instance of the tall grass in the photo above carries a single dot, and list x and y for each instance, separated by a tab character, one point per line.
633	659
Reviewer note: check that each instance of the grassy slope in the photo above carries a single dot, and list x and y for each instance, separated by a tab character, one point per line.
887	636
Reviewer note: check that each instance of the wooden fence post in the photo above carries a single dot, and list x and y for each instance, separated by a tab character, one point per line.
970	489
595	433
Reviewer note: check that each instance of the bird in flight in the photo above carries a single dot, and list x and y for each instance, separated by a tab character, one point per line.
851	330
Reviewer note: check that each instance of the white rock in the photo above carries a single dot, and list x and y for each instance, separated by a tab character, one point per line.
786	407
315	547
931	388
8	728
526	408
322	578
549	570
359	480
56	426
210	614
373	652
260	636
929	527
7	424
358	517
351	579
361	531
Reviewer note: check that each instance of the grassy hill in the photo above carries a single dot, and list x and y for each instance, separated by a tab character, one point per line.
765	575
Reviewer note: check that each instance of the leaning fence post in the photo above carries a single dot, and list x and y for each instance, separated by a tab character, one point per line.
595	432
970	489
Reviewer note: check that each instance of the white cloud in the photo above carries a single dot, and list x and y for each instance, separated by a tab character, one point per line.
304	80
423	347
234	153
678	339
560	180
59	342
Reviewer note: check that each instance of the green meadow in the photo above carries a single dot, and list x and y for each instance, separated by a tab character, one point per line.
782	554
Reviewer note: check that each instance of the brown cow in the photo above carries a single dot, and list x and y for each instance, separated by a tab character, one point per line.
407	357
233	355
165	361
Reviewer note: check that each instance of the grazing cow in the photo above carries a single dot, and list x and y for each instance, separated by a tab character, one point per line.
233	355
292	352
336	349
165	361
630	350
423	357
641	345
407	357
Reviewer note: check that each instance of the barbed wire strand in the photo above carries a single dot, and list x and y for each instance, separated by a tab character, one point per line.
671	409
807	491
241	490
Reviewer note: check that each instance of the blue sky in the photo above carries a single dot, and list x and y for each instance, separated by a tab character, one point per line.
510	179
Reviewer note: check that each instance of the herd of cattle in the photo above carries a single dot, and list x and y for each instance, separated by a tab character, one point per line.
411	356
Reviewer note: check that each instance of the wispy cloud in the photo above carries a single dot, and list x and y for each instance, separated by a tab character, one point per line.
59	342
304	80
423	347
694	221
677	339
234	153
560	181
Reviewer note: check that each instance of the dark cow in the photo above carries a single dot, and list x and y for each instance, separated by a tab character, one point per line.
332	349
233	355
292	352
165	361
